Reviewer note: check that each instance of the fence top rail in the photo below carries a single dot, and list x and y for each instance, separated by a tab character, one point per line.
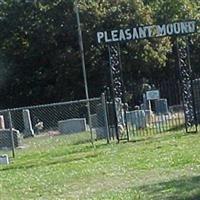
51	104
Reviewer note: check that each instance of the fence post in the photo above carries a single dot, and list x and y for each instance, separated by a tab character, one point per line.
90	121
11	133
103	100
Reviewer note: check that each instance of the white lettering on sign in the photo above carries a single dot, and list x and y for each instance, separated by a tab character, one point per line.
184	28
100	36
114	35
122	35
135	34
177	28
149	30
161	29
144	32
192	26
128	34
170	29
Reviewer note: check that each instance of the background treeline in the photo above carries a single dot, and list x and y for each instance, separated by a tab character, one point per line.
39	52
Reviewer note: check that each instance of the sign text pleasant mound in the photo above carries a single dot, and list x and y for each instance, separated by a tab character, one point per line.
145	32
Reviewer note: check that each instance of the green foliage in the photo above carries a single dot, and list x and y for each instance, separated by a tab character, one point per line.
40	53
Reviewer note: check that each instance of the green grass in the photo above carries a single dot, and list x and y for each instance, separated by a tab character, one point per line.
61	167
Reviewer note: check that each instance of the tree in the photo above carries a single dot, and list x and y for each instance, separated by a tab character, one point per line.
41	41
139	56
40	57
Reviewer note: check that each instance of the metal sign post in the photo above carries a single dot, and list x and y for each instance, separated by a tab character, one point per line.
185	72
116	83
83	68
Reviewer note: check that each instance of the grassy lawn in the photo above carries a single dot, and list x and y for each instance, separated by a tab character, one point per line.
161	167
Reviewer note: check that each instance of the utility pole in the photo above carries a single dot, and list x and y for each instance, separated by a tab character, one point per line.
83	66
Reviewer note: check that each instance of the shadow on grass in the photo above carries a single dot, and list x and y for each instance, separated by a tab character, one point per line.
187	188
47	162
82	142
175	132
63	155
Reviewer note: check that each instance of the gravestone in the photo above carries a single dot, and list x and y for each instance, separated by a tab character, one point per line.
137	117
161	106
75	125
28	129
4	160
5	138
2	123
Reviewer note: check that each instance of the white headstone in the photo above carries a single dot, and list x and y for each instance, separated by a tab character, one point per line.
137	117
4	160
161	106
75	125
28	130
2	123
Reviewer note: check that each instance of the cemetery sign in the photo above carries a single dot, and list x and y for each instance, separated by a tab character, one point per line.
153	95
113	37
145	32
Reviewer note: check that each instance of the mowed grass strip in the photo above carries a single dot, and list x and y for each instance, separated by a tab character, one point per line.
61	167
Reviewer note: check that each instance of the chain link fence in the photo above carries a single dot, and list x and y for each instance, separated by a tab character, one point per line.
75	122
42	127
9	138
